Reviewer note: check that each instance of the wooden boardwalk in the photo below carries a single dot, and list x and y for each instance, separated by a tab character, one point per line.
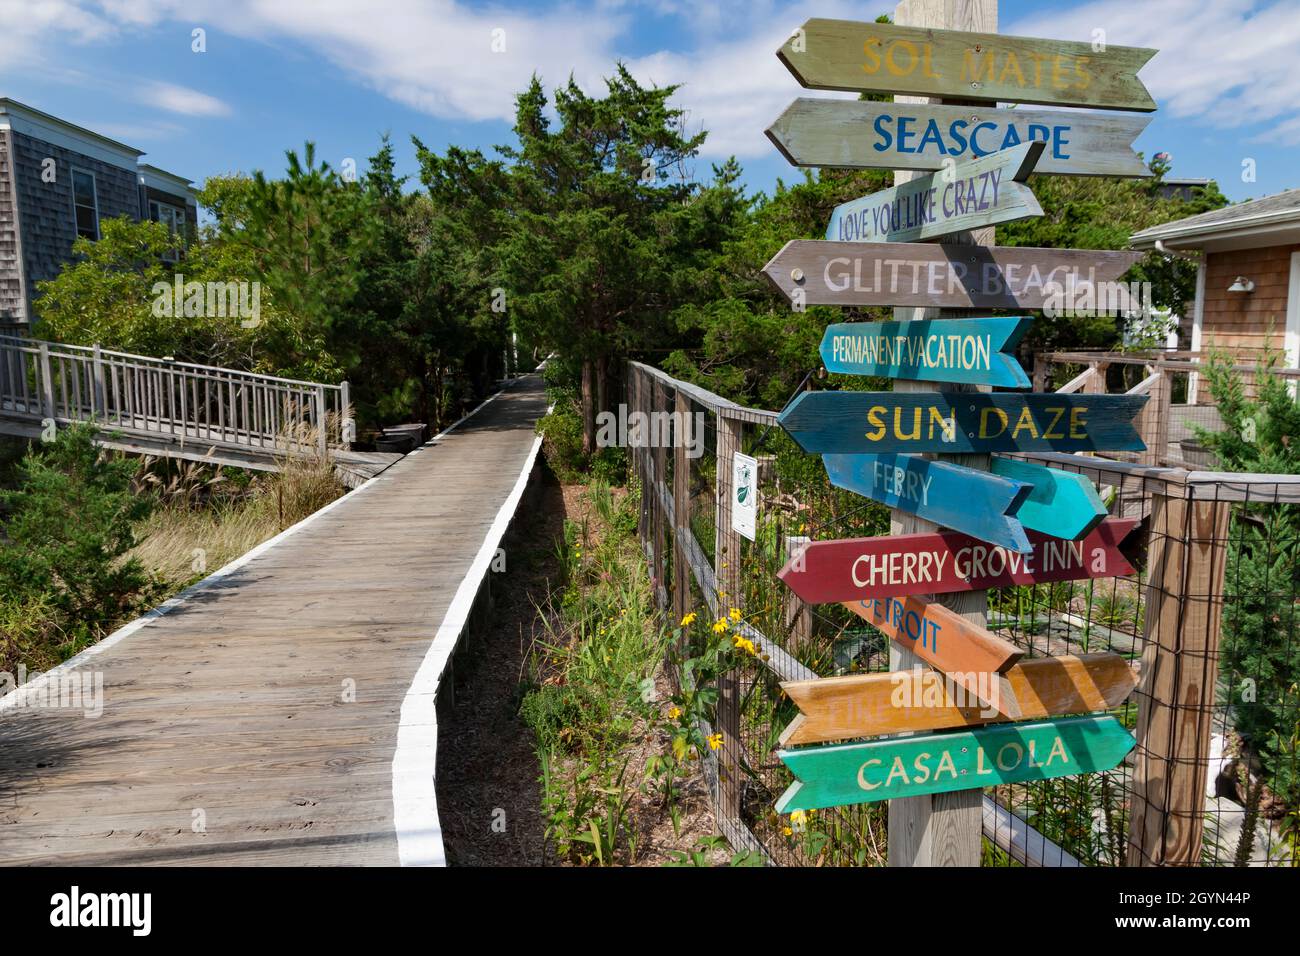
226	735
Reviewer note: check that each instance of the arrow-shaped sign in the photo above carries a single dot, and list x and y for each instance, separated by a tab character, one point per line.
855	423
854	134
884	58
978	192
856	569
972	657
979	503
820	272
866	705
958	760
973	351
1060	503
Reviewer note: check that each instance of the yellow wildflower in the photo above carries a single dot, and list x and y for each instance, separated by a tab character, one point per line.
787	831
797	816
674	713
715	741
688	620
719	625
734	614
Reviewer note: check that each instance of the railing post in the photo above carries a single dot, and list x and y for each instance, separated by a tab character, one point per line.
346	422
726	566
1180	662
101	399
47	381
681	509
1041	371
322	428
659	403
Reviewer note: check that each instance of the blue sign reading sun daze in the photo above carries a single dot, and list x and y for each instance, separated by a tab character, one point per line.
909	133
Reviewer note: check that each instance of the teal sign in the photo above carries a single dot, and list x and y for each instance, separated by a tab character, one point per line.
972	351
843	774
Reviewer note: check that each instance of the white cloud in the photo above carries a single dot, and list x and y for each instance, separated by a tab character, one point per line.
1225	63
183	100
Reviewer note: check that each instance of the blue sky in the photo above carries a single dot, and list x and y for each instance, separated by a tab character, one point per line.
342	72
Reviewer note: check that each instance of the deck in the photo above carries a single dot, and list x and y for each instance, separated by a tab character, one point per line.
226	735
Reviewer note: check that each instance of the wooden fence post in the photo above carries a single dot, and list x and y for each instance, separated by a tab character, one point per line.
681	509
1180	665
944	829
345	416
322	426
1041	371
660	458
798	614
101	400
726	565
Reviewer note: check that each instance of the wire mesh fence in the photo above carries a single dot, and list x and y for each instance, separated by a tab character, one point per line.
1209	622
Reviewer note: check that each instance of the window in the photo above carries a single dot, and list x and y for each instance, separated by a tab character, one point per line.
84	205
174	218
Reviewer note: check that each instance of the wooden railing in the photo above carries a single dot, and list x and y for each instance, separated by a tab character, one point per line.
136	394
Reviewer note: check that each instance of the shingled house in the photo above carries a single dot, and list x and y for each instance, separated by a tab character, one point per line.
1248	279
59	181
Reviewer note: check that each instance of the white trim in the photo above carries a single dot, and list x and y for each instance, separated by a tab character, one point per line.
50	129
198	587
1198	324
415	801
1292	339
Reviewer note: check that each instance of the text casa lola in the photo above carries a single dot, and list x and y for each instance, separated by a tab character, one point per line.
926	767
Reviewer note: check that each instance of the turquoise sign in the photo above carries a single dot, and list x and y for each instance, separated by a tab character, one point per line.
972	351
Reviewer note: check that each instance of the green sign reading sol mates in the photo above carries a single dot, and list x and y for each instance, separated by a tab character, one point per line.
844	774
972	351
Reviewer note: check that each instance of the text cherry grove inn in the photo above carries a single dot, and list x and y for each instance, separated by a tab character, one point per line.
973	562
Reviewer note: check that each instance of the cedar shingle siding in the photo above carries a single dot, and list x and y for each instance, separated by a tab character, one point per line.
45	209
11	295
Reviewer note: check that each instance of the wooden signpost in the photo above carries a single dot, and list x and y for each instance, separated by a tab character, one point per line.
885	58
855	569
869	259
978	192
979	503
821	272
854	134
1060	503
867	705
874	422
973	351
845	774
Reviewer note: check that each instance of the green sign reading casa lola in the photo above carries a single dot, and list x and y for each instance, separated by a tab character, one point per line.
891	767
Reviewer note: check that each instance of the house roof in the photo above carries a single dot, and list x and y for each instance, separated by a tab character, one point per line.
1270	220
39	125
165	181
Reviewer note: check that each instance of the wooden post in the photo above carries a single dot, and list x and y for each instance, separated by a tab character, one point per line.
1156	435
345	415
659	403
1180	664
943	829
47	381
322	427
681	510
798	614
1041	370
726	565
1096	383
97	372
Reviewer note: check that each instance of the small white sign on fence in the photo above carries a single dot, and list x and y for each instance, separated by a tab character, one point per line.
744	495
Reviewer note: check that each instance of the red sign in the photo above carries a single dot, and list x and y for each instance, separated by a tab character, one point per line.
827	572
